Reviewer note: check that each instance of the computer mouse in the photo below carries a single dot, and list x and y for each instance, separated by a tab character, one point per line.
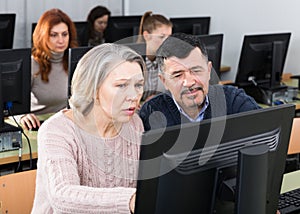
37	128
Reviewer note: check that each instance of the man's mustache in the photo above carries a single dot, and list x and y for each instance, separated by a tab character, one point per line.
188	90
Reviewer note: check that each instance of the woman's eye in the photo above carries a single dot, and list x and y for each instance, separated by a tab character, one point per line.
65	34
139	85
121	85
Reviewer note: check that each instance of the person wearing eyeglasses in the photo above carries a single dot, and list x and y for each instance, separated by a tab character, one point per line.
185	73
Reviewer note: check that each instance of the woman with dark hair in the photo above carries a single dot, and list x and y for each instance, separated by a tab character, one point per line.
97	22
54	34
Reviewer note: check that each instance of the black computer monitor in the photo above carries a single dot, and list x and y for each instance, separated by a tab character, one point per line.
121	27
140	48
262	60
214	44
81	30
195	167
75	55
191	25
7	30
15	84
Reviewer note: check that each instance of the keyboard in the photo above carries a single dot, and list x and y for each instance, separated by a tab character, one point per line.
289	202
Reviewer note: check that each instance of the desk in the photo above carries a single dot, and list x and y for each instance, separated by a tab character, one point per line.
290	181
8	157
13	156
224	68
290	83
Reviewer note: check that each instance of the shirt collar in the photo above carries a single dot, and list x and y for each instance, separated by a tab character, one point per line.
200	116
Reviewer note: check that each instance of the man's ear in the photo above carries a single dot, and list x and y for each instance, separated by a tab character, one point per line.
209	66
163	80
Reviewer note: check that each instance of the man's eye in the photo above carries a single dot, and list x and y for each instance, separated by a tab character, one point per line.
196	71
177	75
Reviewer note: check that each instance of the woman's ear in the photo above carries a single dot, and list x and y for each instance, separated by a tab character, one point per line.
146	35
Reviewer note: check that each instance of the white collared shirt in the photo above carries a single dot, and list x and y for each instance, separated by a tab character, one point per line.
201	113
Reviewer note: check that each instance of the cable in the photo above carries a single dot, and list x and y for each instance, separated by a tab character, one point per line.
18	169
28	141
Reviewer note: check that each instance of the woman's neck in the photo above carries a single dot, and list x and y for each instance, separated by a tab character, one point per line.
56	56
97	125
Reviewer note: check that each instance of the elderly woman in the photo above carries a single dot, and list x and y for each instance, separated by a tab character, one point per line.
88	155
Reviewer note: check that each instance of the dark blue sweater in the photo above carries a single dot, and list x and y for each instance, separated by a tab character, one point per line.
161	111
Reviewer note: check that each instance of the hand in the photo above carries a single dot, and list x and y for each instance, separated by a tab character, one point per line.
30	121
132	203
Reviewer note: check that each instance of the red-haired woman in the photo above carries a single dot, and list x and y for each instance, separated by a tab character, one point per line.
54	34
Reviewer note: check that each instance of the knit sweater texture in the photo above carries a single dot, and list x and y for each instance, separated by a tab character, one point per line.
52	96
78	172
161	111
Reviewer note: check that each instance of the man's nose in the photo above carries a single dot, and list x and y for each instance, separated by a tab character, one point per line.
189	79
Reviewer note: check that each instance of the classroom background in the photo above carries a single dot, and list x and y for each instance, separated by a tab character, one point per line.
233	18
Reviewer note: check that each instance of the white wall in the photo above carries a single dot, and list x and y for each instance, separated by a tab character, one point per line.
29	11
235	18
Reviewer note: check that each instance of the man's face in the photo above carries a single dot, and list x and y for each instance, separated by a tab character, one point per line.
188	80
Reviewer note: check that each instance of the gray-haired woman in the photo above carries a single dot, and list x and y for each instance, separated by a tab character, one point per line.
88	154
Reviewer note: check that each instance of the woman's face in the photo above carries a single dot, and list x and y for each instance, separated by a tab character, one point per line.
59	38
100	23
121	92
156	38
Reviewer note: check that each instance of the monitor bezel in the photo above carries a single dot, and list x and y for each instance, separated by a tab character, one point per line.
146	203
190	22
21	106
242	76
7	40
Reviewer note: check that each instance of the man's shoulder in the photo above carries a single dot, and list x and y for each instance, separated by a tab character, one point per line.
158	99
228	90
158	103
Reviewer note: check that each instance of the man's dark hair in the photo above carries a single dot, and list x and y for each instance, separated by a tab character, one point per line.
179	45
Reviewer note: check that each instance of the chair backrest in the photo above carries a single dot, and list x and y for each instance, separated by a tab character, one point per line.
17	192
294	146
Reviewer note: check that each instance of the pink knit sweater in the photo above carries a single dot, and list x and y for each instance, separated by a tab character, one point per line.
82	173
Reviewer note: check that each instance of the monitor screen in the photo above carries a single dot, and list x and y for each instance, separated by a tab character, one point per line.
15	69
194	168
191	25
140	48
262	60
7	30
122	27
75	55
81	29
214	44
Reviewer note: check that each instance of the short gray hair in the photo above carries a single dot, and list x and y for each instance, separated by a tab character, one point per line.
91	71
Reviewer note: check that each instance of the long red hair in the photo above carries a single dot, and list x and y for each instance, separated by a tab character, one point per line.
40	50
